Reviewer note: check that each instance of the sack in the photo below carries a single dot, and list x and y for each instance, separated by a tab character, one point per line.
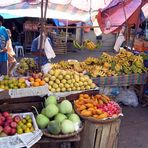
45	68
128	97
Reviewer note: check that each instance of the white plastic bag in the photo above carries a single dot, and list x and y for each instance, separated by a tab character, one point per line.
128	97
45	68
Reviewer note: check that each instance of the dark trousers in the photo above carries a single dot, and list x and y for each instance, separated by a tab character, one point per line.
3	68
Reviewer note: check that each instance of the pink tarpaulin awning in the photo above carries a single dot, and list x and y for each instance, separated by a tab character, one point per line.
111	19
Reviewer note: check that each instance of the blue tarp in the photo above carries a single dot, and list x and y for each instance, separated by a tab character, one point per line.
9	16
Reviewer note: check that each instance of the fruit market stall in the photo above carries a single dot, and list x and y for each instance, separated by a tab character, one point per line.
68	113
123	69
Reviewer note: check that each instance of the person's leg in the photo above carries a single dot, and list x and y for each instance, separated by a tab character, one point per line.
3	68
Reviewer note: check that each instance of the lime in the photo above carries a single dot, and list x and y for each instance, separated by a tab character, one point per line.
27	117
29	124
24	120
27	130
19	130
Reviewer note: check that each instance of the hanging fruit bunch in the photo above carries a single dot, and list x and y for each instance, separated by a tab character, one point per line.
90	45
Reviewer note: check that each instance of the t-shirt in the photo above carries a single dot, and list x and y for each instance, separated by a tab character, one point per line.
3	40
34	48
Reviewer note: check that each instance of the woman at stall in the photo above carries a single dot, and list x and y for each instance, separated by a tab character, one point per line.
11	54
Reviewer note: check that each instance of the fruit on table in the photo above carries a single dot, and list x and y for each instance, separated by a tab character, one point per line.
50	100
7	124
12	83
54	127
51	110
98	106
60	117
41	120
67	126
57	113
36	79
26	65
25	125
65	107
71	81
106	65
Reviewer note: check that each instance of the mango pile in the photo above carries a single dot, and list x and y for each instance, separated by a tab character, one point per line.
97	106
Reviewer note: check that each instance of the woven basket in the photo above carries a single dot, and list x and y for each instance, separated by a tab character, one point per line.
122	80
60	136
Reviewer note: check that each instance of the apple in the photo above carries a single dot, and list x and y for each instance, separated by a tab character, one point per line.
6	124
17	118
6	114
3	118
1	122
9	120
13	131
13	124
7	130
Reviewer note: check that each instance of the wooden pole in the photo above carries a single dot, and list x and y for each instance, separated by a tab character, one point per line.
43	19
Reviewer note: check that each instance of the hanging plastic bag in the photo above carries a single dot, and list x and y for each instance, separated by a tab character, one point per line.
46	68
128	97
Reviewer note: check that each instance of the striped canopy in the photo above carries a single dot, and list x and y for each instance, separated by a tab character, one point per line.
75	10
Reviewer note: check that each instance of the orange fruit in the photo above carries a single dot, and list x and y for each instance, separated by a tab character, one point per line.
42	82
35	84
37	80
31	79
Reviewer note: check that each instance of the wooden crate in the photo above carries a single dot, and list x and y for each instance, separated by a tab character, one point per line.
59	44
102	135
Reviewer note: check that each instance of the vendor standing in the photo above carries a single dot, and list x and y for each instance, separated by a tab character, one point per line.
43	55
3	50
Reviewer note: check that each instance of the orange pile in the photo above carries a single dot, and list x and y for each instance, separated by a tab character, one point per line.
87	105
36	82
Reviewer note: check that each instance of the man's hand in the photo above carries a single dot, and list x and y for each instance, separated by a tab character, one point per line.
5	50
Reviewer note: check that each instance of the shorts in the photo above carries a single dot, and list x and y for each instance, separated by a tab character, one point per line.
3	68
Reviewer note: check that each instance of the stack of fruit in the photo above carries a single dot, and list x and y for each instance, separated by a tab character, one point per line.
58	118
61	81
106	65
10	125
24	124
12	83
27	65
36	79
98	106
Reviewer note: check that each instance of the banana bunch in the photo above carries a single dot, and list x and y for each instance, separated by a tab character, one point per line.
89	44
77	45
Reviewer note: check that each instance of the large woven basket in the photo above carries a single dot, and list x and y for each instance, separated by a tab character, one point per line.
122	80
61	136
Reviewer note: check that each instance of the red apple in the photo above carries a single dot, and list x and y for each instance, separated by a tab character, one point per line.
3	118
9	120
13	131
6	124
1	129
7	130
1	122
6	114
16	118
13	124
